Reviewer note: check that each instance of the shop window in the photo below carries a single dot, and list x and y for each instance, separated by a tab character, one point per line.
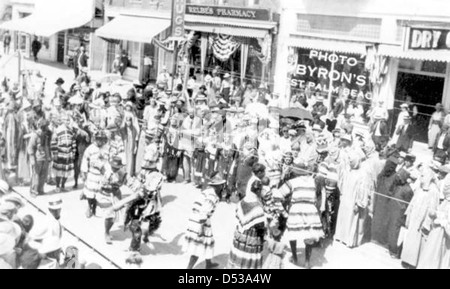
419	66
133	50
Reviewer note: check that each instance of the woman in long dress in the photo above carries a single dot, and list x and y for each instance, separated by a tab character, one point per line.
150	123
436	252
418	222
434	129
248	243
24	169
131	129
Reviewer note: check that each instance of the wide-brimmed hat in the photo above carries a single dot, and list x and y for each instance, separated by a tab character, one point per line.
347	137
55	203
14	199
59	81
320	99
7	244
116	163
50	245
4	187
227	75
317	127
76	100
404	105
216	180
37	102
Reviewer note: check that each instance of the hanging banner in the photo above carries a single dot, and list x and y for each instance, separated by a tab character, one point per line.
427	39
338	73
179	9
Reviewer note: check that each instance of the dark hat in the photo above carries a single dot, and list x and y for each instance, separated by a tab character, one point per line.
101	135
60	81
203	87
410	158
216	180
116	163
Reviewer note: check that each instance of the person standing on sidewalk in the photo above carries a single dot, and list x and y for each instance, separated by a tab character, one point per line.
35	48
82	60
39	153
6	42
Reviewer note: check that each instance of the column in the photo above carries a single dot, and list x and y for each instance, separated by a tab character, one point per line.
446	92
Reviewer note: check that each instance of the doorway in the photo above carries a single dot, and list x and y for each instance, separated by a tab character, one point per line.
426	91
61	47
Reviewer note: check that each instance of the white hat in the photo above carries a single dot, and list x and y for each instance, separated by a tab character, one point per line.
55	203
11	229
227	75
76	99
7	207
14	199
7	244
4	187
39	231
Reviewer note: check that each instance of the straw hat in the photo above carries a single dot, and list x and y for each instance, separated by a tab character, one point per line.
4	187
14	199
216	180
50	245
55	203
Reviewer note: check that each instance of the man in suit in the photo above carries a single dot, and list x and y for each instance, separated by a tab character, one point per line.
405	135
442	146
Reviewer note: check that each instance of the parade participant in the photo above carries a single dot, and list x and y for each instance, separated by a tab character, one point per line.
63	148
406	135
172	155
436	252
163	78
436	122
225	88
402	196
143	214
93	168
59	91
82	60
110	194
441	149
114	113
190	131
385	183
11	129
330	201
53	219
23	164
303	225
131	131
418	222
199	236
248	242
40	156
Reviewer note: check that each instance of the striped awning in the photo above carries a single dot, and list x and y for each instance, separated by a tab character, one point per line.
398	52
216	21
227	30
329	45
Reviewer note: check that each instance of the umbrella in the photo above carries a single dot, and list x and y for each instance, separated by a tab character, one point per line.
297	113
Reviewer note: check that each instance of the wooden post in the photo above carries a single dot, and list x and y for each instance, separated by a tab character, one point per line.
175	63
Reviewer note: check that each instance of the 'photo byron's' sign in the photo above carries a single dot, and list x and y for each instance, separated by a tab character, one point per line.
229	12
428	39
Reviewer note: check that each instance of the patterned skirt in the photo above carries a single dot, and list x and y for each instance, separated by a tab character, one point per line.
304	223
104	207
93	185
199	239
63	167
200	163
247	249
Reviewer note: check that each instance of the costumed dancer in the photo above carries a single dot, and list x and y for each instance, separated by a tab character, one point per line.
199	236
93	169
143	214
110	194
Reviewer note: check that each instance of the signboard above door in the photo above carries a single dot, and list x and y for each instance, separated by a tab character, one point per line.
427	39
229	12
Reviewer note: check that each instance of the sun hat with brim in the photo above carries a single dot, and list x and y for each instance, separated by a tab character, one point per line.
444	169
14	199
346	138
10	228
59	81
4	187
7	208
227	75
116	163
7	244
39	232
55	203
217	181
404	105
317	127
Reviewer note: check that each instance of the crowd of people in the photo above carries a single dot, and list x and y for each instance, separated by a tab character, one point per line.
297	180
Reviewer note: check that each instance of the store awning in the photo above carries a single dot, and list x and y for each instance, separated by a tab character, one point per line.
329	45
398	52
235	31
52	16
219	22
133	28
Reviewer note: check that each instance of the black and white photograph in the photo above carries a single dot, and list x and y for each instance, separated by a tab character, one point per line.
225	134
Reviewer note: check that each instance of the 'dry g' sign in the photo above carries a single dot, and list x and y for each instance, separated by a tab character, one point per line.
428	39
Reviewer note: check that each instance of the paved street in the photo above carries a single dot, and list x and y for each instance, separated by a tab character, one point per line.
165	250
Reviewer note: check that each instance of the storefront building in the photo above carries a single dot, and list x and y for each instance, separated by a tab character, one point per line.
237	40
368	52
133	28
61	27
